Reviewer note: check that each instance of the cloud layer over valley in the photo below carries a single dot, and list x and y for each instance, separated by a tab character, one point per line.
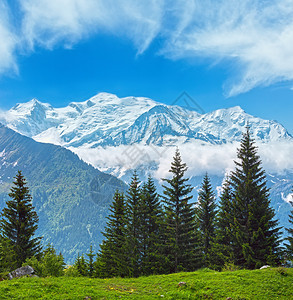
214	159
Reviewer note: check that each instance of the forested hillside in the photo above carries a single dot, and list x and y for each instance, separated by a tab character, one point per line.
70	196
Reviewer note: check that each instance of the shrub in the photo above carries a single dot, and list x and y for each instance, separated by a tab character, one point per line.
282	271
71	271
49	264
230	267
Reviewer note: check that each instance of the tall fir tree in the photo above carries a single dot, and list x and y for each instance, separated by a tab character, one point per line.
180	238
224	222
152	261
224	216
206	220
91	267
256	237
289	245
133	226
19	222
112	258
81	265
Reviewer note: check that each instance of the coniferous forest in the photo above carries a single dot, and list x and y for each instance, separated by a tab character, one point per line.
147	233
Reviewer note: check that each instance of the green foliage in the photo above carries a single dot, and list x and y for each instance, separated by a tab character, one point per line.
133	228
112	258
180	238
289	245
255	235
81	266
71	271
230	267
71	197
206	220
19	222
282	271
91	256
8	261
203	284
49	263
224	220
151	233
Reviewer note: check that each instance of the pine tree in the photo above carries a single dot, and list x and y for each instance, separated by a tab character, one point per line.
112	259
81	265
206	219
91	256
289	246
224	221
255	232
133	226
180	219
19	221
152	260
224	216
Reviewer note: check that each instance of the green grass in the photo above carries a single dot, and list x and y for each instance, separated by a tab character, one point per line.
204	284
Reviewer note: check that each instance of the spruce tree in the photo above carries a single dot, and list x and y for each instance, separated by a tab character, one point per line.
112	258
81	265
152	260
133	226
224	223
255	234
224	215
19	221
90	256
180	219
206	220
289	245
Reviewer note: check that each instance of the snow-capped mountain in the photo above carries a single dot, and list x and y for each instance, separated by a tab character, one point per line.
106	120
97	121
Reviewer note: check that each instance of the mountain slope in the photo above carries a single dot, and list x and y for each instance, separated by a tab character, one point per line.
70	196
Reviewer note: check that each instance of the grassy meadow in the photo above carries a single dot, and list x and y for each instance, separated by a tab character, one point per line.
274	283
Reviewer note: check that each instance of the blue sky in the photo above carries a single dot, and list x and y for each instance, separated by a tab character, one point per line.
222	54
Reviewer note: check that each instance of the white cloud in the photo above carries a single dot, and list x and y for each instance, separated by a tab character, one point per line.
8	42
276	156
48	22
255	37
288	198
214	159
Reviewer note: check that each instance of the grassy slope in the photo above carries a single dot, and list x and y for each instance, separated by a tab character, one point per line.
258	284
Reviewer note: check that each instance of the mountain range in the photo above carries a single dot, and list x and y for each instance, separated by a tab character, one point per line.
117	135
106	120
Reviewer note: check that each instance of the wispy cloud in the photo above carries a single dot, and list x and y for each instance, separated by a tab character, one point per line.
9	41
254	36
49	22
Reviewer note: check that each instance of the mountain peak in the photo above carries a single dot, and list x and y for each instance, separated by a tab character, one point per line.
236	108
28	107
34	101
